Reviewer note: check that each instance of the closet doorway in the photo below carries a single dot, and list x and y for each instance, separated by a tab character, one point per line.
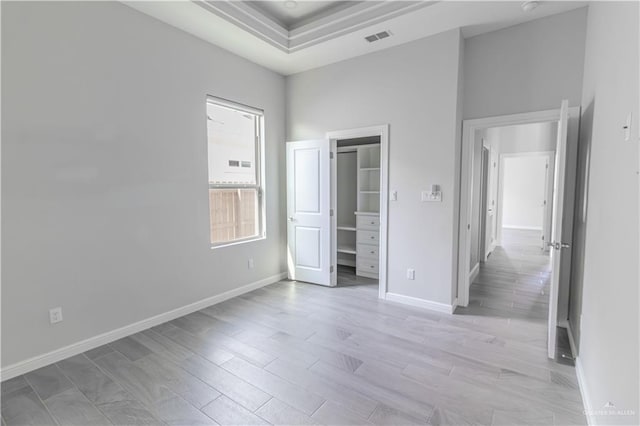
359	199
337	208
358	211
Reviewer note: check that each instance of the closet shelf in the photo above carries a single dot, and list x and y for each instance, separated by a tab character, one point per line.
368	169
364	213
369	192
346	249
346	228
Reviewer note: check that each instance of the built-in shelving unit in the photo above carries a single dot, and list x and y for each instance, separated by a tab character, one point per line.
368	212
369	179
358	208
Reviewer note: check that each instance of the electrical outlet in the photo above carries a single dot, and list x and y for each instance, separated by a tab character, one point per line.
411	274
55	315
250	263
627	128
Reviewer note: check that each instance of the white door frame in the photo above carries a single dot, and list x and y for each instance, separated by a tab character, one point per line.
549	155
484	191
383	132
469	128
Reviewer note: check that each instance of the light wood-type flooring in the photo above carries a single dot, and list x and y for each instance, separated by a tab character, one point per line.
294	353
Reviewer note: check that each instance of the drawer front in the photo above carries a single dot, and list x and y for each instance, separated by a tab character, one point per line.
367	251
368	222
368	237
368	266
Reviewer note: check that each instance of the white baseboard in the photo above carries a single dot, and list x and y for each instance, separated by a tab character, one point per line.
524	228
56	355
582	383
422	303
474	273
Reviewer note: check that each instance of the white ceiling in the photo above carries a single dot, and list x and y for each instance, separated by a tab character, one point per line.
267	32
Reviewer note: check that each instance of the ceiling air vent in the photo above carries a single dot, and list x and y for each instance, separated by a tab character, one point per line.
379	36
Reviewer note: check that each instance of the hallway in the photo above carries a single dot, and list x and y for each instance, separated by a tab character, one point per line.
514	282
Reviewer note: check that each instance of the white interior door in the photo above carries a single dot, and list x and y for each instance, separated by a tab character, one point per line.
556	243
308	211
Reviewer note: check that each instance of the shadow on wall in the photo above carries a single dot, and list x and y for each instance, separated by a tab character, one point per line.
580	222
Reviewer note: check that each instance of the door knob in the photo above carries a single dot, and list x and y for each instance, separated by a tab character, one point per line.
292	219
557	245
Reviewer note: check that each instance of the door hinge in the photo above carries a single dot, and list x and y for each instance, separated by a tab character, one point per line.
331	212
331	269
331	155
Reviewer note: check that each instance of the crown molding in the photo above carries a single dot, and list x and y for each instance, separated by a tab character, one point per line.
324	28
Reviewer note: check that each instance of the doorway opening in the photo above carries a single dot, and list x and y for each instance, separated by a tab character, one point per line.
359	199
358	211
337	208
516	217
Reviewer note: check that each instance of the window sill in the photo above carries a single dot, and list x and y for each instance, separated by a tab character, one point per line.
237	242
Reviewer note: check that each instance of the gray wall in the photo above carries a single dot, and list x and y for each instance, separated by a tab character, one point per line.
533	137
604	295
104	171
528	67
413	88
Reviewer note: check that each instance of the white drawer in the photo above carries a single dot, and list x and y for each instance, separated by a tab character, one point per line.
368	222
368	251
367	237
368	266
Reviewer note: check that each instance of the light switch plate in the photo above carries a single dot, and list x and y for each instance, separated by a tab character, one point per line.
429	196
394	196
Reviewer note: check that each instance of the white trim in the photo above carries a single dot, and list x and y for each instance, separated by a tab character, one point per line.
582	381
422	303
474	272
383	132
469	128
524	228
56	355
584	392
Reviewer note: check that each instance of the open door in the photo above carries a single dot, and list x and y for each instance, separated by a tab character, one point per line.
556	244
308	211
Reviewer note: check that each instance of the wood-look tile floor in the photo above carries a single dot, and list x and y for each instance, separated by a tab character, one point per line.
294	353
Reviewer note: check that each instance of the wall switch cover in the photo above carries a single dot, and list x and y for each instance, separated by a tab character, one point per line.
429	196
394	196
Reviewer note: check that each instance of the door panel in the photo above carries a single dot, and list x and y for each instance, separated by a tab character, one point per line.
308	247
557	245
307	180
308	211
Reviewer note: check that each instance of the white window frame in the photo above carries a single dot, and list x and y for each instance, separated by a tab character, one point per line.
260	176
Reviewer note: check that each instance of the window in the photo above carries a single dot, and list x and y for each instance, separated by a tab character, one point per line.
234	136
